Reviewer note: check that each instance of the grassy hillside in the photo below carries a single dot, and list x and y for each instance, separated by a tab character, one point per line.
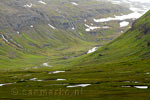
132	45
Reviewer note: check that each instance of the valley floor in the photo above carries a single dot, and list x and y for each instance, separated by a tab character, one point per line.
115	81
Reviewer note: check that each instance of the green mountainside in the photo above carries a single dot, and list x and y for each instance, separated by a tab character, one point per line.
31	30
131	46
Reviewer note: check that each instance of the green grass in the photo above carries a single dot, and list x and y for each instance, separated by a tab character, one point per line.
106	84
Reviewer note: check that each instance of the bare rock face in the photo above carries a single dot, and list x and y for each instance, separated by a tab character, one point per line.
21	17
18	14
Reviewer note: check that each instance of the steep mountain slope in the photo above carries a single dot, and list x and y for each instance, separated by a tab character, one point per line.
133	45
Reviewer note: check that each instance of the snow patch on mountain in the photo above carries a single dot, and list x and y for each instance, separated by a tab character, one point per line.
4	38
31	26
74	3
137	12
18	32
28	5
124	24
92	50
51	26
134	15
42	2
90	28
